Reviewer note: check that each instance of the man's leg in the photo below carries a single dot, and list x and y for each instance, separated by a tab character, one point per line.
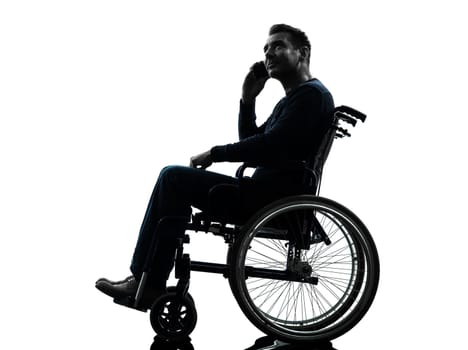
177	189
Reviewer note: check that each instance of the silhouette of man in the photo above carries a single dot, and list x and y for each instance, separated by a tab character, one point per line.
278	148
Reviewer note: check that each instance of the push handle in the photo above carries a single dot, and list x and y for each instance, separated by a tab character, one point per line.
346	118
352	112
341	132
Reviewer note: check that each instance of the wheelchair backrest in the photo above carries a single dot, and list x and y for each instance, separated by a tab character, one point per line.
315	164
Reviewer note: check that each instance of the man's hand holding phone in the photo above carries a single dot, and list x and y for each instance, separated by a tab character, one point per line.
254	82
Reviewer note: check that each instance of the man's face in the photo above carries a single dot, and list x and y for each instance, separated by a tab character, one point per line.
281	58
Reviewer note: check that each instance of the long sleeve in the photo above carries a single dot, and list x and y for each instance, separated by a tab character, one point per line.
247	125
288	134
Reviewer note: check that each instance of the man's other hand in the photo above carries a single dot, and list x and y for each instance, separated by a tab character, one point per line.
201	161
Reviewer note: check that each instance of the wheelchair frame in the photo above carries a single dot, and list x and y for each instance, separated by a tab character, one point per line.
292	229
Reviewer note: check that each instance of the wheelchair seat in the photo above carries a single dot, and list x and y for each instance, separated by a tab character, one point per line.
235	204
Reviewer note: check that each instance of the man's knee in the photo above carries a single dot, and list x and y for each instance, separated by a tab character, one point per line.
169	169
171	172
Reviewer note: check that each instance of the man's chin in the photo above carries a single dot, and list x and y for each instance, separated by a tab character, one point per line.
273	73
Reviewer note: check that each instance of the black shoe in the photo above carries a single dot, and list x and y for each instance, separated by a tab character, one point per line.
114	282
121	290
125	292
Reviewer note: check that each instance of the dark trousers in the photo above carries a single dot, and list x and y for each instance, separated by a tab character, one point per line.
178	189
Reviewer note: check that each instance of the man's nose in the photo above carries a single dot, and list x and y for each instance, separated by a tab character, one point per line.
269	53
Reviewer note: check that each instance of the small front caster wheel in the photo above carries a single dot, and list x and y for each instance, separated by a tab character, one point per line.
173	316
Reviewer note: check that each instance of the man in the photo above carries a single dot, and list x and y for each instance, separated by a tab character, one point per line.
278	148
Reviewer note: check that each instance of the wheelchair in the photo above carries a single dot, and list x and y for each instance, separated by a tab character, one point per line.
303	269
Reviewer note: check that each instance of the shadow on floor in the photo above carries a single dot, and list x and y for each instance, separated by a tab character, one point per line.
264	343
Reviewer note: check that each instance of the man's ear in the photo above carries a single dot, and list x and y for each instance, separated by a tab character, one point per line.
304	53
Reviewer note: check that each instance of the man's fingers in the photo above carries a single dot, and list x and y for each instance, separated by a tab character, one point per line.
191	164
201	161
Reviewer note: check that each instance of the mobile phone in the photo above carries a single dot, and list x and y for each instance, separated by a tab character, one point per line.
260	70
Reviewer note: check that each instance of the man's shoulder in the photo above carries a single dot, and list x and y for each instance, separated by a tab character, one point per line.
309	90
315	85
312	95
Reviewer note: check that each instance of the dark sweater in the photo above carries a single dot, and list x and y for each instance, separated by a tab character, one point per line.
290	136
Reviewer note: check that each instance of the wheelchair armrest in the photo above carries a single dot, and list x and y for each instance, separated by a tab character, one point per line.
241	169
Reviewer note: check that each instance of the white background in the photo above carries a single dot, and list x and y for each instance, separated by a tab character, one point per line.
97	96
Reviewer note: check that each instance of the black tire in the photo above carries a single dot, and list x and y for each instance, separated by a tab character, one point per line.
173	289
173	317
346	271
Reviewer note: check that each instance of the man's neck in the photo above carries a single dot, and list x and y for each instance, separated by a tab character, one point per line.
293	82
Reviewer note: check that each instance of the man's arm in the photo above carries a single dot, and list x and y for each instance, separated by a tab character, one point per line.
289	139
247	125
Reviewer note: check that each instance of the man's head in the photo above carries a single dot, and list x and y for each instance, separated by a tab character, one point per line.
287	51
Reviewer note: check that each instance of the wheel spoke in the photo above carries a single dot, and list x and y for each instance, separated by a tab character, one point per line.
265	256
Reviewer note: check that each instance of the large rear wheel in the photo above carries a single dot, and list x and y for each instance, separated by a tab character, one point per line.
304	269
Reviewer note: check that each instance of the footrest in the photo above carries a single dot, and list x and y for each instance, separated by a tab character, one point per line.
129	302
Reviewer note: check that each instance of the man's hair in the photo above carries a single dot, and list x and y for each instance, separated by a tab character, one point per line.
298	37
